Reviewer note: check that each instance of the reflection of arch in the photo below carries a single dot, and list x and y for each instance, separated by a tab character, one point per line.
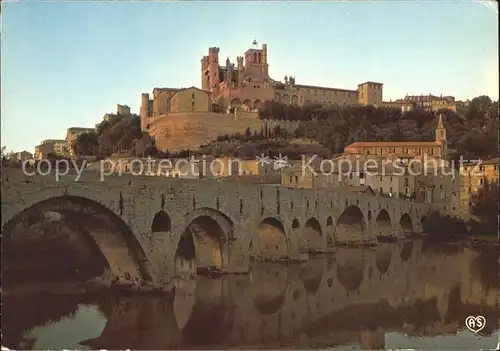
383	226
115	241
350	274
269	284
212	318
406	224
269	239
383	259
277	97
161	222
350	225
295	100
406	251
257	104
312	236
312	275
235	102
329	232
285	99
153	315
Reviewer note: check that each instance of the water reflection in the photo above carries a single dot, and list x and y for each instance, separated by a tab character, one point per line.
400	295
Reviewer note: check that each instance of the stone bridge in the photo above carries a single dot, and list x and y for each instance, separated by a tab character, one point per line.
165	227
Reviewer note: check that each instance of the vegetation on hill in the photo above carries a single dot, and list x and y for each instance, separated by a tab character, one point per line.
485	206
121	135
472	131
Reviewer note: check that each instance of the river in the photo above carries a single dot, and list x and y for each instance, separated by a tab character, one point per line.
399	295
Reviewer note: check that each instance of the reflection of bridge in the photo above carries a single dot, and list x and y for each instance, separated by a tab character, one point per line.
165	226
355	298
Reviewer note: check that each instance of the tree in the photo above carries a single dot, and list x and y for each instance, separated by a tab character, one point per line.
484	205
86	144
443	227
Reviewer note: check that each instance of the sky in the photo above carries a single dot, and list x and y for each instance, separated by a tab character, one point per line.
66	64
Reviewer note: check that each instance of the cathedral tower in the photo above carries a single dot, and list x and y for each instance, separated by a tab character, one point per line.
210	78
441	135
256	61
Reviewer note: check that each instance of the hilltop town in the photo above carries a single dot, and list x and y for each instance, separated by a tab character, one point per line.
240	111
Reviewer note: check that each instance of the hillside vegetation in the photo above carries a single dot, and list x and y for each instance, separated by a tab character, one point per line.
472	131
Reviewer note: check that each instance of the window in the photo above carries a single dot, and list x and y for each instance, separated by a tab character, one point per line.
381	189
192	95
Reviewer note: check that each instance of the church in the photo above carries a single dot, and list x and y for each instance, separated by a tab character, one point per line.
403	149
230	98
247	84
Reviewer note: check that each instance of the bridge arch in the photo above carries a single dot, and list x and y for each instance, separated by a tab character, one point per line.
406	224
350	225
203	243
269	240
161	222
107	234
235	102
312	237
248	103
257	104
383	225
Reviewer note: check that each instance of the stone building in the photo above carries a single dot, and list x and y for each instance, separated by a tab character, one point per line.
52	146
229	100
427	102
72	135
248	84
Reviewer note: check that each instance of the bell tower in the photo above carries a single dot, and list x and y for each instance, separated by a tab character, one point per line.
441	136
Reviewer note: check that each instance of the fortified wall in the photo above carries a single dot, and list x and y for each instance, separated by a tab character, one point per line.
190	130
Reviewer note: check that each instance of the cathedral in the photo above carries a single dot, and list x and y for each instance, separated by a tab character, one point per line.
230	98
247	84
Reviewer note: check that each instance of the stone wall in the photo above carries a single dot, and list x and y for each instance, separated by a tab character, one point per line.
189	130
